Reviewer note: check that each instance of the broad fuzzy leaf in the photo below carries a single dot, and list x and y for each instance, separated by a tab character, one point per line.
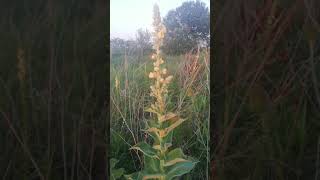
168	138
174	125
113	162
152	111
175	153
179	169
115	173
168	116
151	165
174	161
146	149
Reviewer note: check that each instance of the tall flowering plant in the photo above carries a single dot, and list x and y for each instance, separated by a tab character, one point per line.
159	161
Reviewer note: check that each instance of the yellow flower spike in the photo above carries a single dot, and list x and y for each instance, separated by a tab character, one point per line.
164	122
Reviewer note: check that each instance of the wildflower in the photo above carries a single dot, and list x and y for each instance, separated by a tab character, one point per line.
159	90
164	71
151	75
169	78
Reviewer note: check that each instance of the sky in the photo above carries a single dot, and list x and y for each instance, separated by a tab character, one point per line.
127	16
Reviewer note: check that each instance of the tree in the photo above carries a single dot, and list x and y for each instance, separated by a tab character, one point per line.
187	26
117	46
143	39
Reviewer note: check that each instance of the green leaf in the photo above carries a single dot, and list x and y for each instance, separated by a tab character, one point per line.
168	116
153	135
153	123
153	130
179	169
153	176
151	165
174	125
134	176
174	161
175	153
115	173
152	111
113	162
168	138
146	149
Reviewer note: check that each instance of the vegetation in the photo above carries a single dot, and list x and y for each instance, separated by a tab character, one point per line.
139	118
266	80
130	97
187	26
159	162
53	88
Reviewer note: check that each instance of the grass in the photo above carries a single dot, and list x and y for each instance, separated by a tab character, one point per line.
129	101
265	79
53	89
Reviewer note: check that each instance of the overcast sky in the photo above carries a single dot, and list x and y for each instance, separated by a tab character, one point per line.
127	16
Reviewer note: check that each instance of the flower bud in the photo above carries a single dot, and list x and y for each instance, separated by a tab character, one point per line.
169	78
164	71
151	75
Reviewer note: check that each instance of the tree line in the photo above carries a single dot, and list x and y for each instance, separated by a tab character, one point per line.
187	27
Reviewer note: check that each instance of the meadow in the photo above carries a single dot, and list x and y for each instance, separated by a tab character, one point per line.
188	95
53	87
266	90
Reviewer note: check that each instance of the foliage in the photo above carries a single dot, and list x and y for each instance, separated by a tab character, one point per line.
115	173
187	26
159	161
53	89
266	106
144	41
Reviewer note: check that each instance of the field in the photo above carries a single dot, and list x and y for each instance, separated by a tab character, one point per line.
188	94
266	90
53	90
